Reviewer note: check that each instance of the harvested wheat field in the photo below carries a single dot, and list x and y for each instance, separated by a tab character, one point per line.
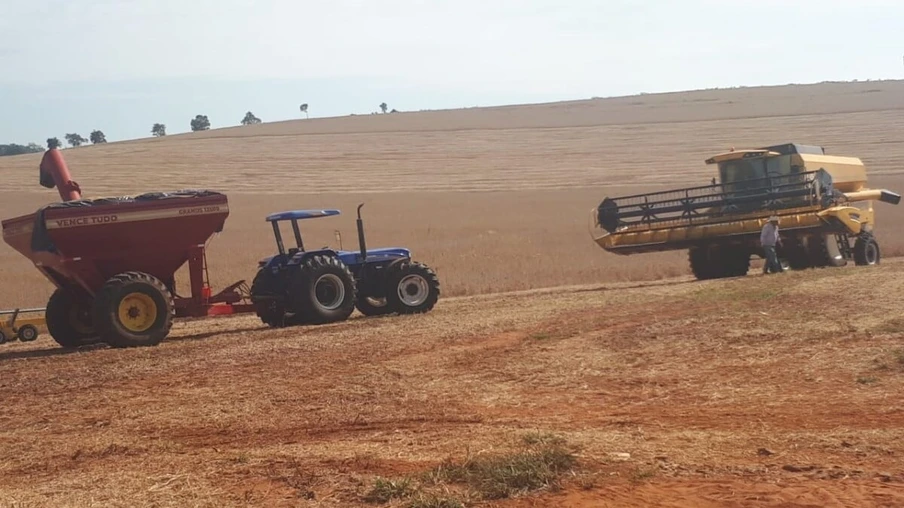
550	373
782	390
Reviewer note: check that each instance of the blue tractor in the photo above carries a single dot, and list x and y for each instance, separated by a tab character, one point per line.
298	286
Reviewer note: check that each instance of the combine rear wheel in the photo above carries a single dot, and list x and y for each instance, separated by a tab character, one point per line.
69	321
322	291
412	288
866	250
133	309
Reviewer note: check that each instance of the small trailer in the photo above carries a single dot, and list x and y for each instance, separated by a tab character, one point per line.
20	328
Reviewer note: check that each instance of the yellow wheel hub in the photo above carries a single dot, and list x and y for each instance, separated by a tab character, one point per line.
137	312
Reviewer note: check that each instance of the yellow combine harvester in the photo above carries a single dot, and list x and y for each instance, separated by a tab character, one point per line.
821	200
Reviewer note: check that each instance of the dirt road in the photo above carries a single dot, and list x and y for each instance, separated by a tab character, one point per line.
759	391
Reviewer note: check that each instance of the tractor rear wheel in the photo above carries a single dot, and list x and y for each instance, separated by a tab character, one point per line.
866	250
322	291
412	288
133	309
373	306
69	320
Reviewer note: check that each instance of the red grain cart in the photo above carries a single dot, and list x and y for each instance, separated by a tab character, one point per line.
113	260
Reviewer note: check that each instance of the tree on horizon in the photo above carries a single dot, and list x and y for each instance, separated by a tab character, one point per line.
304	109
158	130
97	137
200	123
250	119
383	107
17	149
75	140
53	143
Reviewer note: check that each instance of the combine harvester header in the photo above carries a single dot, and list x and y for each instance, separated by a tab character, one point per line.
822	202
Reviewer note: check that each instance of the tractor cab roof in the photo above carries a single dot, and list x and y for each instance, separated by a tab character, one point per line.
301	214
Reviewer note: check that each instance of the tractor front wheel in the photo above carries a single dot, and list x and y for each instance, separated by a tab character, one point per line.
133	309
413	288
322	291
69	320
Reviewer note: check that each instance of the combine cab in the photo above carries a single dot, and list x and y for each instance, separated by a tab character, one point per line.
824	207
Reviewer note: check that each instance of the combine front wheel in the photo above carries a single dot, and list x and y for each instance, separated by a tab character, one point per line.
413	288
832	251
69	320
866	250
133	309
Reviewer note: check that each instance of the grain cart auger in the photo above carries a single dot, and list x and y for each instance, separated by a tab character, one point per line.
113	260
298	286
821	200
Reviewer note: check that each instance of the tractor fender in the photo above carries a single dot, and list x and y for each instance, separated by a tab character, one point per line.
273	262
397	262
392	266
301	257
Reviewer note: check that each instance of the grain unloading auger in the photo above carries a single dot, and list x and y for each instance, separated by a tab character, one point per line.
822	202
113	260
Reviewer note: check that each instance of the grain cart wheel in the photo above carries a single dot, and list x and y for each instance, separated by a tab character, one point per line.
322	291
69	321
133	309
28	333
412	288
373	306
866	250
2	337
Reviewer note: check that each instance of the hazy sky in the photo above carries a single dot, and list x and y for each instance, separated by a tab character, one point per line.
121	65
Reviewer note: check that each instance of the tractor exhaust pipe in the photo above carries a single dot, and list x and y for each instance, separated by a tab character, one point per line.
54	172
361	244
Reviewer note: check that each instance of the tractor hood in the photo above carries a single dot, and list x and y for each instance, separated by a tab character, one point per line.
350	257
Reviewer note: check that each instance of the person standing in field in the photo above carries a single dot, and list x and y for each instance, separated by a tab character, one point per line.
769	239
